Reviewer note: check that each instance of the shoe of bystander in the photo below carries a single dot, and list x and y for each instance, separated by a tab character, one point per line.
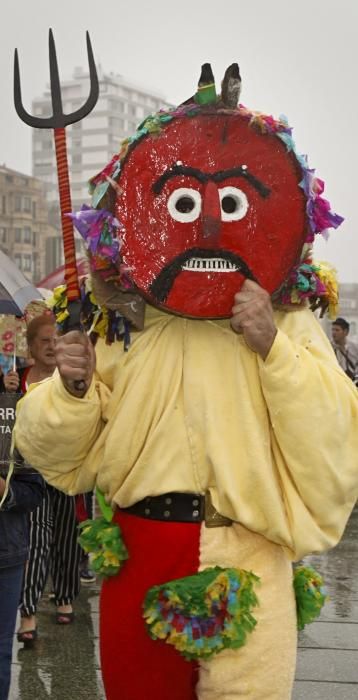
87	576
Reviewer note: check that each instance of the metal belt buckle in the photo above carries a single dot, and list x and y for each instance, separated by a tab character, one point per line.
212	517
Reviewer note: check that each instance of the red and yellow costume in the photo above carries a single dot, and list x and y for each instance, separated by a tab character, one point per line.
190	409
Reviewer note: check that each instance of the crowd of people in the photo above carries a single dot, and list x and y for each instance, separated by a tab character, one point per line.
38	523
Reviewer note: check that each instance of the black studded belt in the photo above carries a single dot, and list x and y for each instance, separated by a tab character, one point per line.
179	507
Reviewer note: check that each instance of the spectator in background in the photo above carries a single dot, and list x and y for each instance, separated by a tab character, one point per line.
346	351
25	493
53	525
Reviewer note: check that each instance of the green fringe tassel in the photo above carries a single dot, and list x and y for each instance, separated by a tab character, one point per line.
310	595
104	540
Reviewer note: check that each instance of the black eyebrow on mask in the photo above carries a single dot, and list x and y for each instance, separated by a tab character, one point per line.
221	175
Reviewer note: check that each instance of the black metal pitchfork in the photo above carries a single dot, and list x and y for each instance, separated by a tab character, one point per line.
58	123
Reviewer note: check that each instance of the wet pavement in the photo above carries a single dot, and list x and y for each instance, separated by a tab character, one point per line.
327	667
64	664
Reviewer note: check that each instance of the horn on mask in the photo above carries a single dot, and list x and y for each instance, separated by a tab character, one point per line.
231	86
206	92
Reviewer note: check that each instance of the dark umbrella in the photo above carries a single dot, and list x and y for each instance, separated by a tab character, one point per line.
57	277
15	290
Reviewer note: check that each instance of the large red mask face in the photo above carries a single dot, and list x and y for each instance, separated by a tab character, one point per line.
205	204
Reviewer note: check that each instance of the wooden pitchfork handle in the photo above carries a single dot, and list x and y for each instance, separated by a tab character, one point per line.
71	276
58	121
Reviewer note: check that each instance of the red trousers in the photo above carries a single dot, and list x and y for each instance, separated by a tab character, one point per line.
134	666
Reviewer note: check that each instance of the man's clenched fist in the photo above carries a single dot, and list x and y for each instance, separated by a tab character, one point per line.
76	361
253	317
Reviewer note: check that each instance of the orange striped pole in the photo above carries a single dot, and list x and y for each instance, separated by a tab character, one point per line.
71	275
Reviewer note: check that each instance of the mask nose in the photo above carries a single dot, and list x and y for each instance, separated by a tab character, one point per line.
211	211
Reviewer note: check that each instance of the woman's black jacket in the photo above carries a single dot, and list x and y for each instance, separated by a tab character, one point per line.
25	494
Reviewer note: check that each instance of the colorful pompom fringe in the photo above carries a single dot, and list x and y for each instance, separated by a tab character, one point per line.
96	320
310	595
202	614
311	282
104	541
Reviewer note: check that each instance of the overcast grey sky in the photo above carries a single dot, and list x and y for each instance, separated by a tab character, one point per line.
297	57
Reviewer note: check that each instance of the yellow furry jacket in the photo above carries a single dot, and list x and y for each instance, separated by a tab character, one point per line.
191	408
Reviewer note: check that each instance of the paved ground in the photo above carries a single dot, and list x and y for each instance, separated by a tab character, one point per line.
65	663
327	666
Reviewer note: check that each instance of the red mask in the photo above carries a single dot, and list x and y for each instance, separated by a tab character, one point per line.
205	204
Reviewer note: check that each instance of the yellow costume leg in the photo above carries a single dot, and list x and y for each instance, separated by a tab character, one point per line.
264	668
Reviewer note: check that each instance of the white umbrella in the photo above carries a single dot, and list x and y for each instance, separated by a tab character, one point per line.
15	290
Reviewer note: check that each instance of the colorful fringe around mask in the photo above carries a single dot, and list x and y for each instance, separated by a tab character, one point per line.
203	614
96	320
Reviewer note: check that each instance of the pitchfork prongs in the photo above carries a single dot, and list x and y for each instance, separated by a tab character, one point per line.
58	123
59	119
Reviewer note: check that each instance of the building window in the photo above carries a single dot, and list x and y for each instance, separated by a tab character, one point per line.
2	234
27	204
3	204
17	202
43	169
18	235
34	210
27	237
116	106
17	260
27	263
34	239
77	159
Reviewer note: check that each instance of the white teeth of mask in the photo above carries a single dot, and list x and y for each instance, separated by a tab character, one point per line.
209	265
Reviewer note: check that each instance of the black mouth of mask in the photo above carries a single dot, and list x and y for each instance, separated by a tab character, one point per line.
163	282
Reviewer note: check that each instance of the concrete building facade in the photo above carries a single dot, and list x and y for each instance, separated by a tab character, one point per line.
92	142
26	234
